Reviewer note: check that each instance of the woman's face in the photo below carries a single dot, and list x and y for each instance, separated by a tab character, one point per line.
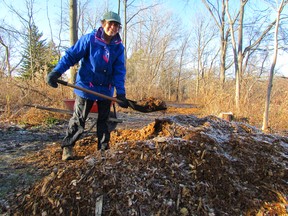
111	28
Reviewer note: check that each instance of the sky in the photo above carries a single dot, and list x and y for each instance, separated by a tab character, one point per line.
179	7
186	11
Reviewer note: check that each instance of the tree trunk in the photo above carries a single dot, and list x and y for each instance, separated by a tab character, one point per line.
223	45
7	60
224	36
239	55
119	4
125	28
73	35
265	125
237	50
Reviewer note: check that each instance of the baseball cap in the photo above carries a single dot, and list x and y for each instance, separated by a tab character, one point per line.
111	16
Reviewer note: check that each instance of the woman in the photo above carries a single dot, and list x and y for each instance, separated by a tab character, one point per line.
102	69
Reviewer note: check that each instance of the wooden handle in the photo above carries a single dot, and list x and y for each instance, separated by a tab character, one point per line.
88	91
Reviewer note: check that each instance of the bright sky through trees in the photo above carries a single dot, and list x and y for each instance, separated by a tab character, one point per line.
185	9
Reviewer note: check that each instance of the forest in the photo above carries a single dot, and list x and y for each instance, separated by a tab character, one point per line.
225	61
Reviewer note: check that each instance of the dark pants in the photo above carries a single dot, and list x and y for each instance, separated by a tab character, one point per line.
76	124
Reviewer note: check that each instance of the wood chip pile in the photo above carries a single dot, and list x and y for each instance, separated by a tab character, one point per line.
152	103
181	165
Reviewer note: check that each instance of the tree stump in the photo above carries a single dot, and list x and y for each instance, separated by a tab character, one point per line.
228	116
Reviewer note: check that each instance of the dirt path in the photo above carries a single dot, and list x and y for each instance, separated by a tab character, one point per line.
17	142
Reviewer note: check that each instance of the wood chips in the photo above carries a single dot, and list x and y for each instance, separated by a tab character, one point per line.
181	165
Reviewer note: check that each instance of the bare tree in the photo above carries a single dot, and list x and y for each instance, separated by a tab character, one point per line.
28	23
125	25
204	35
220	20
7	59
151	46
238	55
10	39
183	49
73	34
73	22
280	6
239	52
133	15
87	16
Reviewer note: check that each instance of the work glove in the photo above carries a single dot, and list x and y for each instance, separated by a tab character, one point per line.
124	102
52	78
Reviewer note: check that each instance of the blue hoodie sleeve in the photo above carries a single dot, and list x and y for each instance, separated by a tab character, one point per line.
120	73
73	55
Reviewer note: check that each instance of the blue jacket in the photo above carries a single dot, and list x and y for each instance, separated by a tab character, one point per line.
102	65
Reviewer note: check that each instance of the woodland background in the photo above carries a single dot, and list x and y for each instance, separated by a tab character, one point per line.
223	60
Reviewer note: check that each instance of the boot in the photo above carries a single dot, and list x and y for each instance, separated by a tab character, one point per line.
104	146
67	153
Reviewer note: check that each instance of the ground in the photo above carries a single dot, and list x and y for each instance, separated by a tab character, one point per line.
160	163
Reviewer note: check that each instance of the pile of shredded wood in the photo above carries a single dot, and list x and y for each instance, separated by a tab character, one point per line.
152	103
179	165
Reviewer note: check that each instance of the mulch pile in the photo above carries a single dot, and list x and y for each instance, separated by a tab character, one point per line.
179	165
152	104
